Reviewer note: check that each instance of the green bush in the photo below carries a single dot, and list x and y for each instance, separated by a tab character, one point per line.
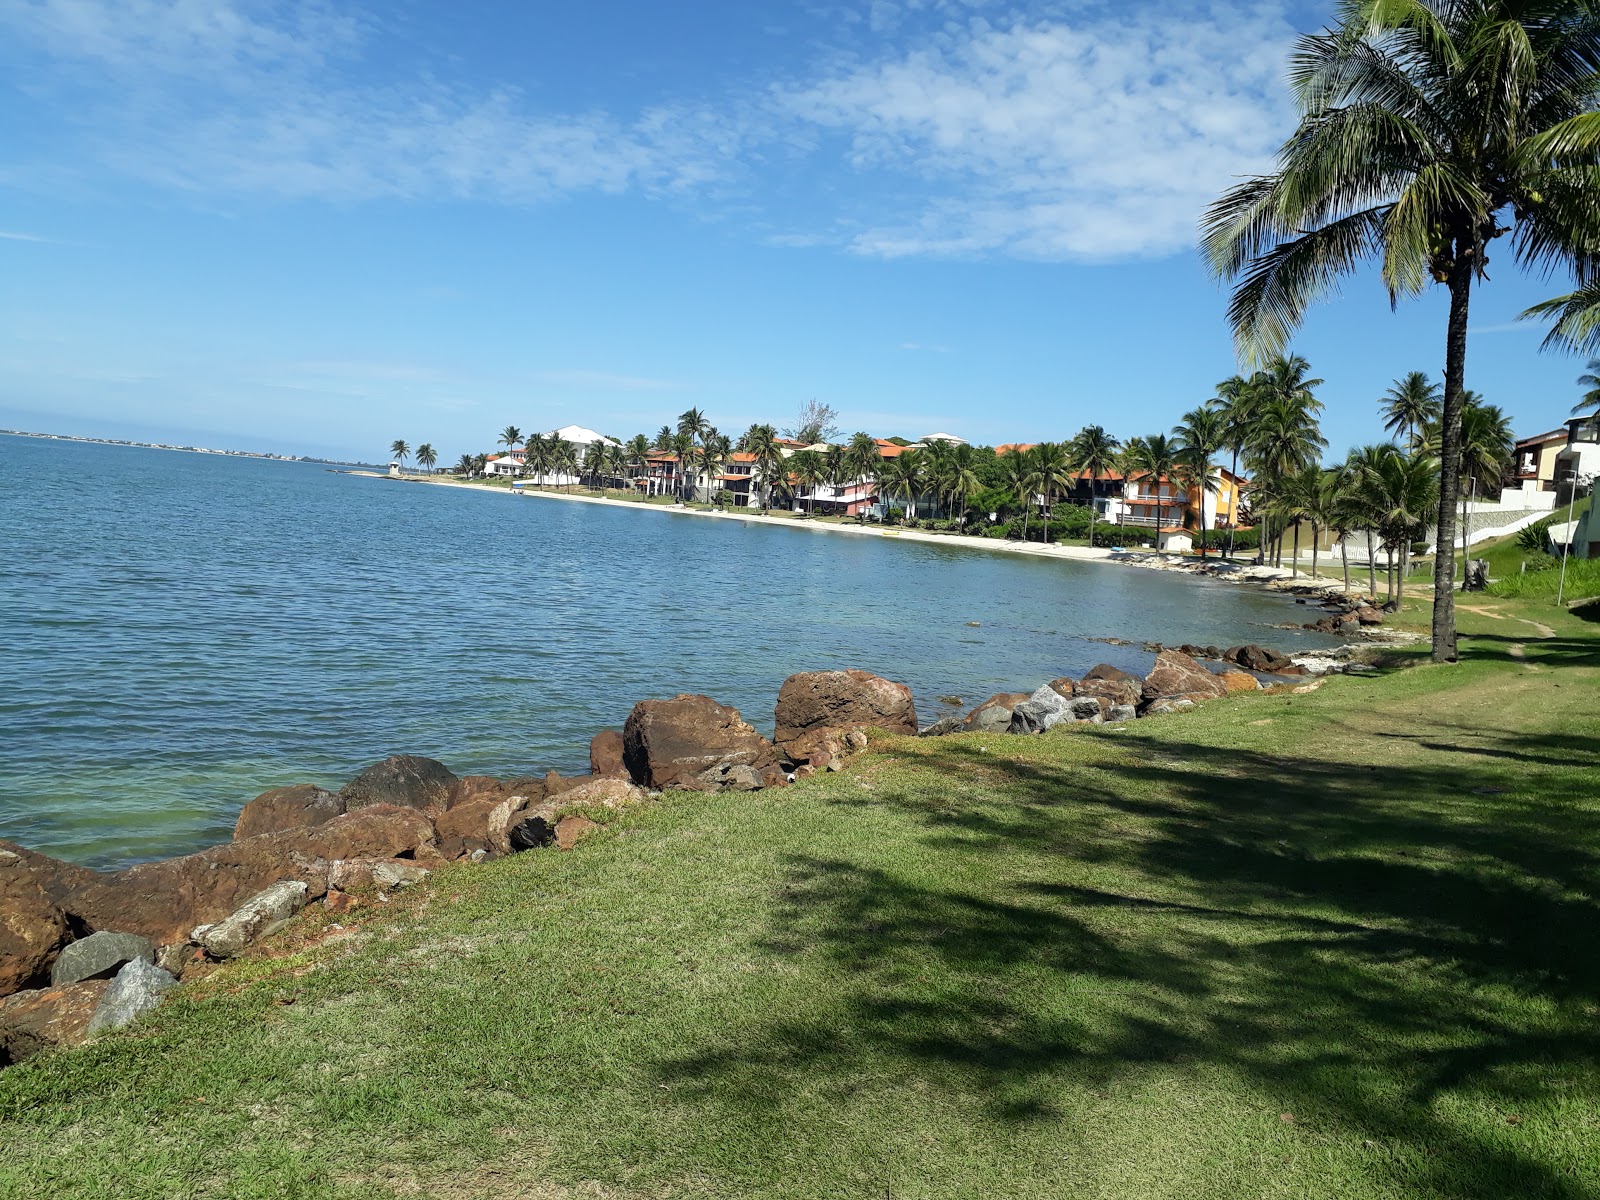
1583	579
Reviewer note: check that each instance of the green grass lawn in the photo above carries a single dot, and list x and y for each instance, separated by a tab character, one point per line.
1343	944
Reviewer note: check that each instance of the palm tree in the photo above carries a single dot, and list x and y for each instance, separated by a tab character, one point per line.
809	471
762	441
1341	508
1016	470
509	437
1300	500
1285	439
862	462
1402	496
399	450
714	457
1236	400
1589	381
835	472
1093	452
480	463
595	458
961	481
1154	458
638	456
900	478
427	456
683	448
1428	129
563	456
465	466
1412	405
1200	435
694	424
538	457
1487	448
663	442
1052	470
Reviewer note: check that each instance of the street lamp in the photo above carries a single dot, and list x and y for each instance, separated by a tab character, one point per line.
1579	482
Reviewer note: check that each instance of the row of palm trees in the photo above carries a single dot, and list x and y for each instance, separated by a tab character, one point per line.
426	455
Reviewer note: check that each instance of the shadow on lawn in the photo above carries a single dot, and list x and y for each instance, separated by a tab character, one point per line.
1357	959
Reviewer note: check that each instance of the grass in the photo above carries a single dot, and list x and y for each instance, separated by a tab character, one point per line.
1343	944
1506	555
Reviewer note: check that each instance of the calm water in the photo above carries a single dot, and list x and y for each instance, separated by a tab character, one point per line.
179	632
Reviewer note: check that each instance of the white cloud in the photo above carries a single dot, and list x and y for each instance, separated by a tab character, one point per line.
606	381
8	235
1090	136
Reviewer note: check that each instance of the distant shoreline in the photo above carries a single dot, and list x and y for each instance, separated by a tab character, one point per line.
101	441
1210	568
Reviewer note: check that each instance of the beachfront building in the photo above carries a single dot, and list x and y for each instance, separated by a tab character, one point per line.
1533	467
1166	503
949	439
1579	459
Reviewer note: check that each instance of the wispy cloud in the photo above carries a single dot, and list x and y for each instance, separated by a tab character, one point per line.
928	349
606	381
9	235
1508	327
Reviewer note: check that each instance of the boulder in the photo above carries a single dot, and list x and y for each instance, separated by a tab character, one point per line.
297	807
1176	675
1087	708
725	777
35	1021
1235	680
1256	658
667	743
605	755
555	784
1111	685
1168	704
405	781
1367	615
994	714
1043	710
32	926
600	793
569	830
163	901
1119	713
383	874
99	956
1063	687
252	919
137	988
826	749
58	879
532	832
942	727
469	789
815	700
464	828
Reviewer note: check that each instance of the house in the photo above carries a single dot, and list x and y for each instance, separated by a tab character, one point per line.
1165	502
1533	467
509	463
738	480
949	438
581	437
1018	447
1579	459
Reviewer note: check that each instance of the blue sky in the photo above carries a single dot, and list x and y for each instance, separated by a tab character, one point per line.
313	227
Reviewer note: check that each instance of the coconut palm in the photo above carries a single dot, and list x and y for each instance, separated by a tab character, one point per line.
1402	497
596	456
1156	459
1428	128
901	478
510	436
1576	324
1093	452
1236	400
834	470
663	442
1341	509
1052	473
638	456
563	457
1589	381
1411	405
537	458
809	472
427	456
400	451
1284	439
465	466
961	480
694	424
762	441
1300	500
862	463
480	463
682	448
1201	435
1487	448
1016	470
714	458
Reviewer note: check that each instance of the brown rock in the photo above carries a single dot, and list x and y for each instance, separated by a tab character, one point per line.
669	742
994	714
405	781
570	829
163	901
340	902
1367	615
615	794
823	748
467	827
58	879
1235	680
297	807
470	788
35	1021
605	755
852	699
1176	675
32	927
556	784
1257	658
1107	683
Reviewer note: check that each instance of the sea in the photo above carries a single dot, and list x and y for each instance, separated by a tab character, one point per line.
180	632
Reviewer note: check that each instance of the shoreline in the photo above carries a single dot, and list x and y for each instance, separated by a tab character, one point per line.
1270	578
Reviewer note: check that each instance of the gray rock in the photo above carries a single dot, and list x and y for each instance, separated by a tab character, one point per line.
1118	713
1167	704
233	933
941	727
136	989
727	777
98	956
397	874
1086	708
1043	710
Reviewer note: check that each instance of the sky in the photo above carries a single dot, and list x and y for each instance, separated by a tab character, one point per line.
315	226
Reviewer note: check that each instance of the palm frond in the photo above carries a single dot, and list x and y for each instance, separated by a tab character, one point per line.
1575	319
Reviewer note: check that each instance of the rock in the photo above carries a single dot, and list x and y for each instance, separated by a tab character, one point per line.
256	915
179	957
667	743
1256	658
385	874
816	700
1087	708
340	902
994	714
532	832
1111	685
164	900
1119	713
1063	687
99	956
32	926
615	794
35	1021
1367	615
1235	680
137	988
405	781
570	829
942	727
826	749
1043	710
605	755
1168	704
725	777
297	807
463	828
469	789
1176	675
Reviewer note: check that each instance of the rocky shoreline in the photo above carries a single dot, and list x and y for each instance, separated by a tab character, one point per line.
84	951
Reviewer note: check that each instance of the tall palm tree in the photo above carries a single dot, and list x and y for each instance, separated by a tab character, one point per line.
1341	508
835	471
1285	439
683	449
596	456
480	463
663	442
1411	405
510	436
638	456
1487	448
1300	501
809	472
961	481
1052	471
714	457
401	451
563	456
1093	452
537	457
1589	381
900	478
1201	435
1428	128
762	441
862	463
465	466
1236	400
1402	493
427	456
1016	471
1154	459
694	424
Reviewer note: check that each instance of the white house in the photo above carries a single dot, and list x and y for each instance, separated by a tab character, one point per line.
579	436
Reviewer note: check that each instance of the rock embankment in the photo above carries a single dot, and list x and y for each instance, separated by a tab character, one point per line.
85	951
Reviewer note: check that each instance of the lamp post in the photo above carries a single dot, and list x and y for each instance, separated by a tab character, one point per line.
1566	546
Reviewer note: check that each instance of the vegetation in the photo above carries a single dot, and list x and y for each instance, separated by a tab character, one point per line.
1427	131
1340	945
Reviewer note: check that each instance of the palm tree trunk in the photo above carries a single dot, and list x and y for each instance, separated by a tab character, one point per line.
1295	565
1344	557
1316	535
1455	368
1372	570
1466	532
1405	566
1389	582
1233	509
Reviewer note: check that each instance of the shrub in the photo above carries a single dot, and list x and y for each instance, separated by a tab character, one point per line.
1583	579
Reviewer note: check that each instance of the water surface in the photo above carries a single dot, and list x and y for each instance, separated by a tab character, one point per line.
179	632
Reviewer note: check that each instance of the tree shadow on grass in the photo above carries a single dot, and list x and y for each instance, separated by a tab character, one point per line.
1407	954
